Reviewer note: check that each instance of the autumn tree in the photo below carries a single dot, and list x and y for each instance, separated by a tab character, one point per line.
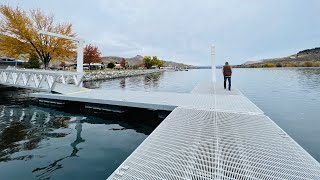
19	35
154	61
157	62
147	62
160	63
62	64
91	55
123	63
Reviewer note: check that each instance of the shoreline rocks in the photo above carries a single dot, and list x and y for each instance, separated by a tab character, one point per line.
103	75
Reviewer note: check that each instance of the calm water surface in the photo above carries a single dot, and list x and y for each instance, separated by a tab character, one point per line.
42	143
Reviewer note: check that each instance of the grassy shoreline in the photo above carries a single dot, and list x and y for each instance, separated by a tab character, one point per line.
281	64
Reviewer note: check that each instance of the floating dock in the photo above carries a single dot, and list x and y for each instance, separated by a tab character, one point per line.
211	133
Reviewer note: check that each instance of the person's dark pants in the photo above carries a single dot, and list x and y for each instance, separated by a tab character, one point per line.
225	82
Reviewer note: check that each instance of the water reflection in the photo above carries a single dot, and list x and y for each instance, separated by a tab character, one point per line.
152	81
24	130
44	172
93	84
44	141
122	83
308	78
13	96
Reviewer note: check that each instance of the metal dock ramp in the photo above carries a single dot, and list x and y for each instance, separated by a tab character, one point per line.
216	143
211	133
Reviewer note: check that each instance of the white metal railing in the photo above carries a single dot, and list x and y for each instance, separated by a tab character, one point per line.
39	79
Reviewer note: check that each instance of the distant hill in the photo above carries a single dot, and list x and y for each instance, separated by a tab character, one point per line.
139	60
251	62
308	57
305	55
131	61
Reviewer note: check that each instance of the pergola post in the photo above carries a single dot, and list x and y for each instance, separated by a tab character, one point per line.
80	56
213	65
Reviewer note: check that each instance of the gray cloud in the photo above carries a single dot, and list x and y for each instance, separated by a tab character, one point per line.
183	30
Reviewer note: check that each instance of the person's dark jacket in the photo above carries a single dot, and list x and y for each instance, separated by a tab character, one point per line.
227	70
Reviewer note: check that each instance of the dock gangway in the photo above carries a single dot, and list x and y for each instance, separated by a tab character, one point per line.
42	80
211	133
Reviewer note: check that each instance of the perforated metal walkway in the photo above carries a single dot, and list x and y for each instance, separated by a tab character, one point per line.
218	143
158	100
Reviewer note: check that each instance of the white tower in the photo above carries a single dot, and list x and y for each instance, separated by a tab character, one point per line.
213	65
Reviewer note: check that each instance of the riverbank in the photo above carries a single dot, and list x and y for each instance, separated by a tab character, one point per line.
104	75
275	64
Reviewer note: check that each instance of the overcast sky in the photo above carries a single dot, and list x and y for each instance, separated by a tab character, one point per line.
183	30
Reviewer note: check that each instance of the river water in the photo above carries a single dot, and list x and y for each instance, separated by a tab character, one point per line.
43	143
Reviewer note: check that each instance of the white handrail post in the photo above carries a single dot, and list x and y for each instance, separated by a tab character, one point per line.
213	65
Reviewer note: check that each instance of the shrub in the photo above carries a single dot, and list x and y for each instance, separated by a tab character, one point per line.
288	65
268	65
317	64
278	65
111	65
33	62
307	64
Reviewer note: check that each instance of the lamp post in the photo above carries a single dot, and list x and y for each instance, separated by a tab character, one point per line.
80	44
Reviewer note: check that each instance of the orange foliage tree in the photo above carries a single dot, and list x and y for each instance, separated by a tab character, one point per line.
123	63
91	55
19	35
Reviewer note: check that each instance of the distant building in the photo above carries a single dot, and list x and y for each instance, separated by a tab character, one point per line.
94	66
168	67
118	66
6	61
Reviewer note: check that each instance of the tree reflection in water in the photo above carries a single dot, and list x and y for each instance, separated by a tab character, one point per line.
122	83
23	128
44	172
25	131
38	135
152	80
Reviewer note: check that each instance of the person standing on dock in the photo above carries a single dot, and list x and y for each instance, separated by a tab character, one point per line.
227	72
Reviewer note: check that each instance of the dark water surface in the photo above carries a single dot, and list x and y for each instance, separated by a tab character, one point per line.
43	143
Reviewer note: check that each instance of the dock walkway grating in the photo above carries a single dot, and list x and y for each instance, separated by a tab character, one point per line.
159	100
208	144
211	133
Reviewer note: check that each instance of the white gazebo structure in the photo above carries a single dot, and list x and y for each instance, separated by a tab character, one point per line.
80	44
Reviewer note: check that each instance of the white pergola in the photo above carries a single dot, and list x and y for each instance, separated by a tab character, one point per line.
80	44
